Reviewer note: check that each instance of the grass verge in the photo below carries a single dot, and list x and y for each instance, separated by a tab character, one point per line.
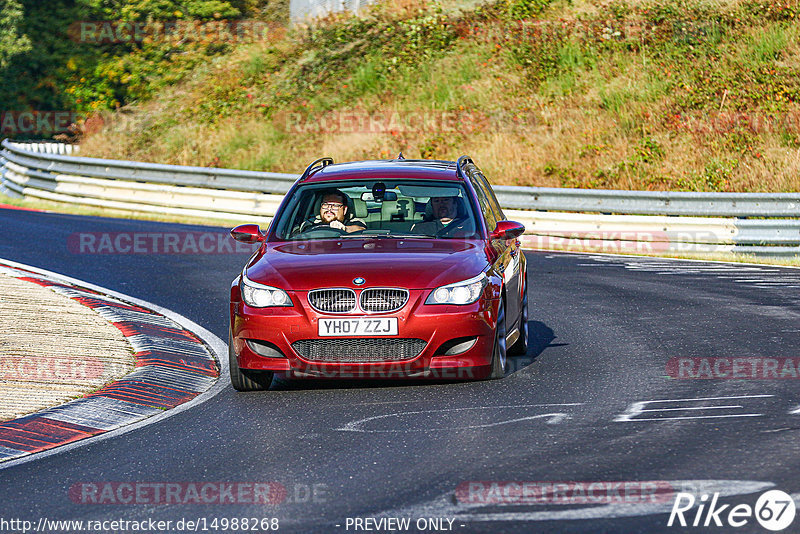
629	94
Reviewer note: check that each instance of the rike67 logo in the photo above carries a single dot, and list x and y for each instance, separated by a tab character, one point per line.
774	510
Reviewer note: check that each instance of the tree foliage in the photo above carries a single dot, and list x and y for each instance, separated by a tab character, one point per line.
44	66
11	42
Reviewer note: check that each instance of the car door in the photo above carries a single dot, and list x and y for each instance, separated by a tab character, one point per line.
508	251
516	253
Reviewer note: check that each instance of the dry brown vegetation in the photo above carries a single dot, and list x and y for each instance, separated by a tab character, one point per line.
686	96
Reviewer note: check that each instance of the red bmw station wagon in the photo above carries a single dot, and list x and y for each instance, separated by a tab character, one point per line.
381	269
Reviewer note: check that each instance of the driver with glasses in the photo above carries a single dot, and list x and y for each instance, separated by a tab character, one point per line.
333	213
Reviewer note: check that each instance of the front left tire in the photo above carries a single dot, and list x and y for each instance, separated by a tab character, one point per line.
246	379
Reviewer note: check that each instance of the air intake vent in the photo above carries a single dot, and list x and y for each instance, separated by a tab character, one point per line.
359	350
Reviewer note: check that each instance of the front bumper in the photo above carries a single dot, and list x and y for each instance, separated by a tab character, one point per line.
436	325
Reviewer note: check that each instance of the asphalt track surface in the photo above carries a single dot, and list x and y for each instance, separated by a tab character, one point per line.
603	331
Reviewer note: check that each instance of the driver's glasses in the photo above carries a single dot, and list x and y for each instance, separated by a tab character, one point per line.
331	206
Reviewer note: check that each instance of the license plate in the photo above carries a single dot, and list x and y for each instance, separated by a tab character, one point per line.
358	326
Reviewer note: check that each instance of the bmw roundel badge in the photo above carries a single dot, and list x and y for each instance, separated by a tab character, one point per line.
359	281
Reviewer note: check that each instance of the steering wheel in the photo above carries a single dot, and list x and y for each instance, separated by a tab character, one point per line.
451	228
323	230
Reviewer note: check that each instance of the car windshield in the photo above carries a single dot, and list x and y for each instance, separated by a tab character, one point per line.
389	208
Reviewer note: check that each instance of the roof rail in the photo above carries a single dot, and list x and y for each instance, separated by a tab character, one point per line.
321	163
462	162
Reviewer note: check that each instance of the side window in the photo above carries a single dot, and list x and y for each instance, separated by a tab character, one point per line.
486	209
492	198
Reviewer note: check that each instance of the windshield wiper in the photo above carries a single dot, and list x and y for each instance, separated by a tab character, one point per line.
389	236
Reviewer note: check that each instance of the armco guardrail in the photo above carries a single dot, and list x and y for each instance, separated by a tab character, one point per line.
35	170
651	202
572	219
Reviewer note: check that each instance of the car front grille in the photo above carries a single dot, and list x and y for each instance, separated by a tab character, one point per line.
383	299
332	300
343	300
359	350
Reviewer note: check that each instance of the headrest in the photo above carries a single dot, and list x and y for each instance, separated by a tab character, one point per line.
359	208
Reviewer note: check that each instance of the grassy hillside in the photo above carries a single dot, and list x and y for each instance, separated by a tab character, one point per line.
680	95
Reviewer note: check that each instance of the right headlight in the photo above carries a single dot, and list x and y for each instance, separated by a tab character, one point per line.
460	293
261	296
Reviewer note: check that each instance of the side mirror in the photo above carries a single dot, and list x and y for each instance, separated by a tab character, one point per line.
248	233
507	230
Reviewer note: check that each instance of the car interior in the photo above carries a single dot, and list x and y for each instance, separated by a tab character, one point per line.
391	211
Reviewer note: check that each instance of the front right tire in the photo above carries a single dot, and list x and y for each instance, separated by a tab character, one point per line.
520	347
246	379
499	357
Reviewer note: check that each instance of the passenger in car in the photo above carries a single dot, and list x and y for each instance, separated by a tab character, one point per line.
440	212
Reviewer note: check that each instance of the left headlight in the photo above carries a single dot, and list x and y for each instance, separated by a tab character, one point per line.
261	296
460	293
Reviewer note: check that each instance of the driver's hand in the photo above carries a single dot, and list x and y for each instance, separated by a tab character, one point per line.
337	224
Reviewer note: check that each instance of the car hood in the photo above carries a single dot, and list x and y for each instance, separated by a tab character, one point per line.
408	263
